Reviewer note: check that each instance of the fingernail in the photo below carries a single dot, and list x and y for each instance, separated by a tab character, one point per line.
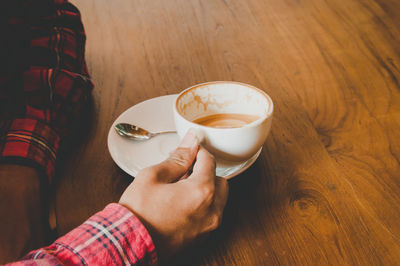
189	140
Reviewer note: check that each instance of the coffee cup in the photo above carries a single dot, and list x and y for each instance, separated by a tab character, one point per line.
232	120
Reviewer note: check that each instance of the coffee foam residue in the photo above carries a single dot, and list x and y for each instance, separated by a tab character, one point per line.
200	102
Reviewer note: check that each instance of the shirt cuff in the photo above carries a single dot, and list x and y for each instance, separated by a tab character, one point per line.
114	236
30	142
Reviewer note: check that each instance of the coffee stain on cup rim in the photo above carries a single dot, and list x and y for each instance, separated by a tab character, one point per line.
199	100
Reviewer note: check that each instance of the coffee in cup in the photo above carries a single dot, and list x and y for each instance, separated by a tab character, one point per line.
226	120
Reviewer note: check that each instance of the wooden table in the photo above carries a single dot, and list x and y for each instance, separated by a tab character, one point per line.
326	188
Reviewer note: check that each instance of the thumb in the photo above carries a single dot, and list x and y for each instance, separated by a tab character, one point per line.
180	160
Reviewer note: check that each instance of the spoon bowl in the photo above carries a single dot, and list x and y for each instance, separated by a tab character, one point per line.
135	132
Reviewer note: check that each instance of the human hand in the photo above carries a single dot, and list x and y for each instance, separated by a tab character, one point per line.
178	206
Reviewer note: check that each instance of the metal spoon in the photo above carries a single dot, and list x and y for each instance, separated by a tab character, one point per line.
135	132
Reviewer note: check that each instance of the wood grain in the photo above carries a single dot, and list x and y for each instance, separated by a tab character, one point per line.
326	188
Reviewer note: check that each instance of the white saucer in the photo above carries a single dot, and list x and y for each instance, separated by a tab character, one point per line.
155	115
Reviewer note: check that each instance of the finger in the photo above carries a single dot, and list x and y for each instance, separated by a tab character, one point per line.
179	161
218	204
221	194
204	167
187	174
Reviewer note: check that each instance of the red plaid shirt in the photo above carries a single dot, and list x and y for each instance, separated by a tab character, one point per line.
44	83
113	236
44	86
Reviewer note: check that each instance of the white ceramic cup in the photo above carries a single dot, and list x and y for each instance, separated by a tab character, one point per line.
226	144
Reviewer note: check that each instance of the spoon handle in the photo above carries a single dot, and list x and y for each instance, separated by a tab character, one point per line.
163	132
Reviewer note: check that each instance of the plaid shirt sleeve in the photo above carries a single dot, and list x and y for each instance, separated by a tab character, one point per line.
44	82
113	236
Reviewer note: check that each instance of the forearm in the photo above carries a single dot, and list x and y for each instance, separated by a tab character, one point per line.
113	236
23	218
44	85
